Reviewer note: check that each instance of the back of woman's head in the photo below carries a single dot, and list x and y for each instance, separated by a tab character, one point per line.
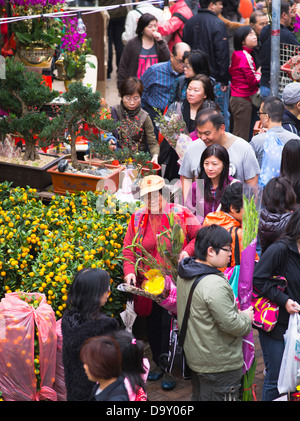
290	159
103	357
240	35
132	351
87	288
278	195
144	21
198	59
292	229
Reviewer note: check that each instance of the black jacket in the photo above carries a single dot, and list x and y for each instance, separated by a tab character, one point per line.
286	37
280	259
75	330
270	227
290	122
206	32
116	391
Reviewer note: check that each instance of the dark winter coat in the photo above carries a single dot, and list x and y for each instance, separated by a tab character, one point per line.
286	37
280	259
116	391
206	32
270	227
76	331
290	122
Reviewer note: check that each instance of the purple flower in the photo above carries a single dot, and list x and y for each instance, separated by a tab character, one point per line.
297	24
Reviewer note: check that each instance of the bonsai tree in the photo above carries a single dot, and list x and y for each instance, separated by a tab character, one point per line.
83	108
23	93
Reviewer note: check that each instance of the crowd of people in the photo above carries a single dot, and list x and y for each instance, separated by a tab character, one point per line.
210	62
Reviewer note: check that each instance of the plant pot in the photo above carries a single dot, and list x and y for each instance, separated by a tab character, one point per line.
67	83
35	53
26	175
72	182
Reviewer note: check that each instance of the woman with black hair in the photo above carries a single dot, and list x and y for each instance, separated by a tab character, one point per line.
205	193
135	366
290	158
282	258
82	320
279	201
144	50
244	80
195	63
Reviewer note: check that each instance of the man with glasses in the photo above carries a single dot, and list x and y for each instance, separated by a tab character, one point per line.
160	78
215	328
270	114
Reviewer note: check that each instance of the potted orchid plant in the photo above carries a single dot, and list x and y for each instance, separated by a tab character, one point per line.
76	48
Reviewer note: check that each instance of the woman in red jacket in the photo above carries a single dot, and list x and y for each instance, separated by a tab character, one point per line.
244	80
144	225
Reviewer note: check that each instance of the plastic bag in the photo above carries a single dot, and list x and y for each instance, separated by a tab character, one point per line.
181	146
59	384
271	161
20	315
289	374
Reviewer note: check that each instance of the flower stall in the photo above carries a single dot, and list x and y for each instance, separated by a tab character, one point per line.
43	246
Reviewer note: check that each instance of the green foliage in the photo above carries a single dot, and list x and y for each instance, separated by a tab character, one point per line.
44	31
75	62
83	107
22	94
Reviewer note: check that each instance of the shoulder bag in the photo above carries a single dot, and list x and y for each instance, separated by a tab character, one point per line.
175	359
265	311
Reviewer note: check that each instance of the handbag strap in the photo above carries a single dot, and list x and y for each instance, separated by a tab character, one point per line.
187	311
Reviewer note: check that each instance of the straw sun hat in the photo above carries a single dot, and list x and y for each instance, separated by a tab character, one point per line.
151	183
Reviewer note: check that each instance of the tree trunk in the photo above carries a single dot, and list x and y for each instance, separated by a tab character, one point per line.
31	153
74	159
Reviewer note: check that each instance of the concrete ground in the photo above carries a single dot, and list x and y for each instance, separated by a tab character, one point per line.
183	389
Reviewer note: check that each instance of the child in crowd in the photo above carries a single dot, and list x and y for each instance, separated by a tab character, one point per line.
135	367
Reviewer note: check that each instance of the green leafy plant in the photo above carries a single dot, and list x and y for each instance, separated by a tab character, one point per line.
82	107
23	94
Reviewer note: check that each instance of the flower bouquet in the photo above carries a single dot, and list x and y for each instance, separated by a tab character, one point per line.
159	283
173	128
252	204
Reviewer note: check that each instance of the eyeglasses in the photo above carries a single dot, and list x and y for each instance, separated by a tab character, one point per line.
178	60
187	66
259	113
132	99
224	249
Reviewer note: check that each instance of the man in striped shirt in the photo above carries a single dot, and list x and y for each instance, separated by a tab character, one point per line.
160	78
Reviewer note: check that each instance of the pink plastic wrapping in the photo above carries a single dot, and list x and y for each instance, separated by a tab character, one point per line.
170	303
59	384
17	333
